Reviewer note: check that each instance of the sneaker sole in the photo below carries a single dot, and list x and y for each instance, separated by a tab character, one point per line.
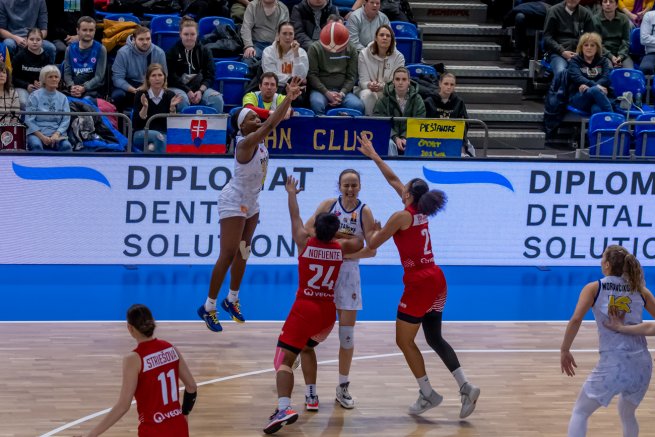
207	323
227	309
346	406
308	408
418	413
275	427
474	395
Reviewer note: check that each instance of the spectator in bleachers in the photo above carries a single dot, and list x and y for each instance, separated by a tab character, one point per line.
17	17
27	65
635	10
589	76
309	17
565	23
528	15
191	69
130	66
395	10
85	62
364	22
62	22
238	9
260	23
615	30
647	36
400	99
153	98
46	130
376	65
8	94
285	57
265	101
332	73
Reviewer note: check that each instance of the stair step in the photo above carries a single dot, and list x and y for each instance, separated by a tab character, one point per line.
508	139
436	12
507	95
506	115
486	71
461	51
464	32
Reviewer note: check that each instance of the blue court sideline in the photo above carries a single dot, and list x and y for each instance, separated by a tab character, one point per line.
173	292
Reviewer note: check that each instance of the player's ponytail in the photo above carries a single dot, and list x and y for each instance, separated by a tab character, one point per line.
428	202
326	226
623	263
140	317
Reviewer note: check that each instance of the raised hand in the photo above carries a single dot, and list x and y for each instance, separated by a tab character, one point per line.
176	100
292	185
366	147
144	100
293	87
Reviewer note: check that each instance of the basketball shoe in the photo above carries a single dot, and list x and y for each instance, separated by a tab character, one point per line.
280	418
343	396
311	403
470	394
234	309
210	318
423	404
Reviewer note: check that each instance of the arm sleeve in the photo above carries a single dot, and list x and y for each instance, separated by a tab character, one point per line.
351	71
604	79
550	27
42	20
301	64
101	67
247	25
364	76
118	70
17	65
30	120
624	49
353	30
68	72
65	120
312	76
303	39
173	79
576	77
645	34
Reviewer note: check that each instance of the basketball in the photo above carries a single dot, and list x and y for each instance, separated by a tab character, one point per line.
334	37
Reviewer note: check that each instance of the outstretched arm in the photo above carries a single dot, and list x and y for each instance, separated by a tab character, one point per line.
367	149
323	207
585	301
298	231
397	221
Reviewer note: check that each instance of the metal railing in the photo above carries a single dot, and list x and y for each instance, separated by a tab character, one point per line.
617	133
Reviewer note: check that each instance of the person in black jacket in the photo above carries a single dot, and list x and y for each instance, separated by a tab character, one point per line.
27	65
191	69
589	76
62	23
309	17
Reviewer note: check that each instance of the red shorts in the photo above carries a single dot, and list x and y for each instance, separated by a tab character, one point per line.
174	427
308	319
425	291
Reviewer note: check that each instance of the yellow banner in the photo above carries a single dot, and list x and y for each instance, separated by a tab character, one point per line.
440	128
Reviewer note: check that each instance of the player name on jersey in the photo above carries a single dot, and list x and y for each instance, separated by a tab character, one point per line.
623	288
324	254
420	219
159	359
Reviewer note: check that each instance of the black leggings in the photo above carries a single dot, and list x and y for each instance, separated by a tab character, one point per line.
432	331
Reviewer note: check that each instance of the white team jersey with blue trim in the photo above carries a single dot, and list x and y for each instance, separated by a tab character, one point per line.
350	221
248	179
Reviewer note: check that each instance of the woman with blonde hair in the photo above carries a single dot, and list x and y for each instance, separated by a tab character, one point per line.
285	57
589	76
8	94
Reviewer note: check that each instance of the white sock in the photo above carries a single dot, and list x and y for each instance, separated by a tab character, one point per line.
310	390
424	385
283	403
210	304
233	296
460	377
343	379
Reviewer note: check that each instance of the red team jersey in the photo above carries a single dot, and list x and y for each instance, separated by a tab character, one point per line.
160	414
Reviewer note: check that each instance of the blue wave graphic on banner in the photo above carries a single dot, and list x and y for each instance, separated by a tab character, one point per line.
467	177
51	173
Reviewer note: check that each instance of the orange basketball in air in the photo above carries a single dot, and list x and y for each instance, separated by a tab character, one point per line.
334	37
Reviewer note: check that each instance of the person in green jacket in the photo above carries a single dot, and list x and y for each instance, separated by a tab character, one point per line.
615	28
400	99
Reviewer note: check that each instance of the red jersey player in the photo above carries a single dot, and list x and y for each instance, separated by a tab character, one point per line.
150	374
313	314
424	297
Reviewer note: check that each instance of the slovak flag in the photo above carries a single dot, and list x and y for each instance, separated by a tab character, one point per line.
194	134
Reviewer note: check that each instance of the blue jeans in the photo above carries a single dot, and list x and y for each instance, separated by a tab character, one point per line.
593	100
558	64
319	103
34	144
210	97
156	138
48	47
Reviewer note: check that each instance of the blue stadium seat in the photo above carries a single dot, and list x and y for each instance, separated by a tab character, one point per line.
303	112
165	39
343	112
580	112
634	81
122	17
231	69
404	30
411	48
199	109
415	70
208	24
637	49
167	23
231	81
645	136
601	135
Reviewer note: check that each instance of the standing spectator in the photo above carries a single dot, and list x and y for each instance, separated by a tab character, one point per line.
615	30
589	76
260	24
309	17
364	22
8	94
153	98
565	23
85	62
377	62
129	68
191	69
285	57
27	65
62	22
333	71
47	130
635	10
527	15
647	36
265	101
17	17
400	99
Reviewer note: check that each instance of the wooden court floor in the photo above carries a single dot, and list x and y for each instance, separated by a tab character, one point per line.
54	374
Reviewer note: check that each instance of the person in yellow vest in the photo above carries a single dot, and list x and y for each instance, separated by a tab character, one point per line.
265	101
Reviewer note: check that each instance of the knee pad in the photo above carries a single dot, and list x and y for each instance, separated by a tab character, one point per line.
347	337
277	361
245	250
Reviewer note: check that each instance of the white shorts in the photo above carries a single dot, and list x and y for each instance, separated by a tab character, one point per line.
627	374
234	204
348	290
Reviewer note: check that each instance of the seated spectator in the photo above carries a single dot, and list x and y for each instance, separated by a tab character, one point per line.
238	9
129	68
565	22
265	101
62	22
447	104
46	130
150	99
527	15
8	94
395	10
589	76
364	22
17	17
85	62
647	36
27	65
309	17
377	63
332	72
191	69
285	57
260	24
615	30
635	10
400	99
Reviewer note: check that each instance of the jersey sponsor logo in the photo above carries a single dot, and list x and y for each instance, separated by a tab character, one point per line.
620	303
317	293
402	304
427	260
159	417
323	254
159	359
420	219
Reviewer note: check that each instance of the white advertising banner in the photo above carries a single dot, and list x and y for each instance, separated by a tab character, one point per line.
145	210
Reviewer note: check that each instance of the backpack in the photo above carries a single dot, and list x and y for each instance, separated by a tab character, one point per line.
223	42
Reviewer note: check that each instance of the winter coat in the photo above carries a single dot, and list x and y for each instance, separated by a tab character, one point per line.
388	106
304	24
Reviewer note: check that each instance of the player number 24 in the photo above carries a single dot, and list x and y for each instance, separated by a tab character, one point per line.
327	279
